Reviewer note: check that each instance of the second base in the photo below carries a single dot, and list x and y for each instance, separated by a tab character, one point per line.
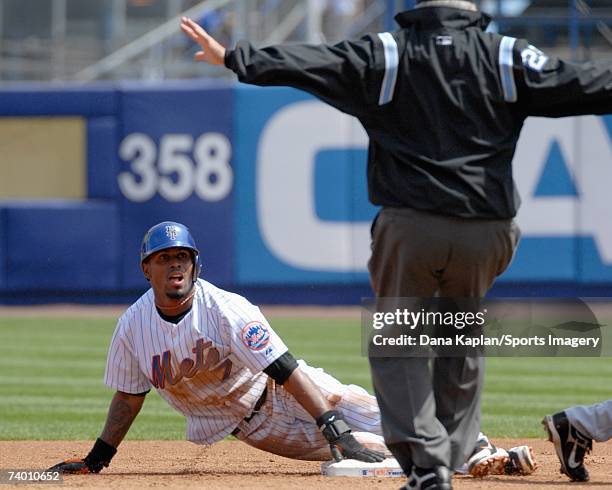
389	468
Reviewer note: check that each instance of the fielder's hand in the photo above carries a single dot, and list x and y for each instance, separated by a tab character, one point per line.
341	442
99	457
211	51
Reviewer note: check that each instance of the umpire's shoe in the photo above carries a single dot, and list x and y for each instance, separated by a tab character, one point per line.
438	478
570	444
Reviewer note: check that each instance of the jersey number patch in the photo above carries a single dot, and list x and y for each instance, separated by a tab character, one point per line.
533	58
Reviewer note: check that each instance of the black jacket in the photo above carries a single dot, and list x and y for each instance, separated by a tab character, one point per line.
442	101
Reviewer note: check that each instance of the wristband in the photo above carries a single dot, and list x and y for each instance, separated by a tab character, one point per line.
99	456
332	425
226	58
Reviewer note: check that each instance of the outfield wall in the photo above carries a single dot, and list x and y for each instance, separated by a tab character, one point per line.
272	183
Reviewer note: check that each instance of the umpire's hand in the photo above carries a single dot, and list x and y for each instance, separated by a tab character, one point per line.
211	51
342	443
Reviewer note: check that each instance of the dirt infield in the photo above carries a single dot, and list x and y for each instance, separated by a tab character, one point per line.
232	464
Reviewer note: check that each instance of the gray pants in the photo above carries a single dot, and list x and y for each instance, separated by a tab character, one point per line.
594	421
431	408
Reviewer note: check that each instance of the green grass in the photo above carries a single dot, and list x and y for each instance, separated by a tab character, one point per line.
51	384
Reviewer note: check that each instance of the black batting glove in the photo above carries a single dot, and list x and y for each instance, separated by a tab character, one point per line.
341	442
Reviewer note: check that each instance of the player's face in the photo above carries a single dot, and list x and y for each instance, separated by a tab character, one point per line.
170	272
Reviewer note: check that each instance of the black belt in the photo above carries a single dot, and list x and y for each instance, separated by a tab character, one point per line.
258	404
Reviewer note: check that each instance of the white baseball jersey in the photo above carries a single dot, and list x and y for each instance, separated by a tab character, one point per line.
208	366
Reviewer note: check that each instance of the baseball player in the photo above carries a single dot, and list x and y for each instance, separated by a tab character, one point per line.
573	430
213	357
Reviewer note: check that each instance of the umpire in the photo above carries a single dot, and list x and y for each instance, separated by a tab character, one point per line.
443	103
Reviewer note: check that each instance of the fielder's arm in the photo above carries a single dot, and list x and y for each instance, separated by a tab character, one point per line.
121	413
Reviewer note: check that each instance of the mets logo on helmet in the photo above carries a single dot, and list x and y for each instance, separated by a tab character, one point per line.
255	335
171	232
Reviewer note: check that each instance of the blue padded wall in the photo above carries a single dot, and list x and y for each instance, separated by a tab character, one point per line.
62	245
44	99
2	250
102	160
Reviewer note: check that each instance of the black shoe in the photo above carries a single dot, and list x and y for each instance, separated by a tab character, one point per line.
570	444
438	478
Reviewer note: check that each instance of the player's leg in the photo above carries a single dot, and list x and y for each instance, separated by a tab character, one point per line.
356	404
283	427
594	421
573	430
358	407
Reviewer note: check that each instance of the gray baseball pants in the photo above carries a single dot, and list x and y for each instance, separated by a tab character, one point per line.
594	421
430	408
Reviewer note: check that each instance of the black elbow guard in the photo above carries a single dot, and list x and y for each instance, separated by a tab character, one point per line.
282	368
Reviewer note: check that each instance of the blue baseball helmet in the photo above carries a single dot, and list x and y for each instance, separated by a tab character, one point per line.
169	234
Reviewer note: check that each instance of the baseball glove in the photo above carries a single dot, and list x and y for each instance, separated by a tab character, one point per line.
99	457
71	467
341	442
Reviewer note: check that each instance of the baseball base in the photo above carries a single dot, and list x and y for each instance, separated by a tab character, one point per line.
389	468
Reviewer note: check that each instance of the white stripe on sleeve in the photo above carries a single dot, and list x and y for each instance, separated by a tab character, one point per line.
506	68
391	68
